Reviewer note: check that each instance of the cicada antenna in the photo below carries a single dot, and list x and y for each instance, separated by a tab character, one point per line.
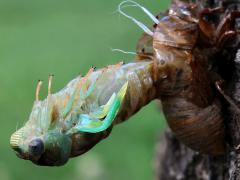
50	83
140	24
122	51
38	89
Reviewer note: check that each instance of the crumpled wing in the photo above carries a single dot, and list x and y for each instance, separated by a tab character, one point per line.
102	118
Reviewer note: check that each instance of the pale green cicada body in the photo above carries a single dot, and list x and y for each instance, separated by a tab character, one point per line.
72	121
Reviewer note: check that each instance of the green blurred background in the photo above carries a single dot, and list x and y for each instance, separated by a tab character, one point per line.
64	38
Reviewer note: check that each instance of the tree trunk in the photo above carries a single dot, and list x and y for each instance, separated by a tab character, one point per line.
175	161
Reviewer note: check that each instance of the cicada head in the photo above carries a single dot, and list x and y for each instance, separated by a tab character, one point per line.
41	147
41	139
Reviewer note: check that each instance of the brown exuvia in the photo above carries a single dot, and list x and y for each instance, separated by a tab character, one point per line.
184	47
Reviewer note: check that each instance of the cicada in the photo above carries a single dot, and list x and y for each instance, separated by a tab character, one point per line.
174	64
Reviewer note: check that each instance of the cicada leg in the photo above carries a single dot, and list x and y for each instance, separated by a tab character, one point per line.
114	66
38	90
225	37
224	31
227	23
50	83
118	65
226	28
218	85
207	28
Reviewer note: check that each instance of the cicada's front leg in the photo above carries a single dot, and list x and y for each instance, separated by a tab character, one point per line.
224	31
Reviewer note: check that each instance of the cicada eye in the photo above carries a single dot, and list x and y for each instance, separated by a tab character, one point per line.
36	147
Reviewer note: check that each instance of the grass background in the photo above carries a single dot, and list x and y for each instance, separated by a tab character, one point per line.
64	38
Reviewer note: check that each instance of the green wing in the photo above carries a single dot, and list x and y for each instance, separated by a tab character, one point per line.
102	118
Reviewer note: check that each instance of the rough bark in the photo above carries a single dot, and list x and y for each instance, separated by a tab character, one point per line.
175	161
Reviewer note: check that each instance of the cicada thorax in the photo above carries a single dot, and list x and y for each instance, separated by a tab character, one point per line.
184	83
